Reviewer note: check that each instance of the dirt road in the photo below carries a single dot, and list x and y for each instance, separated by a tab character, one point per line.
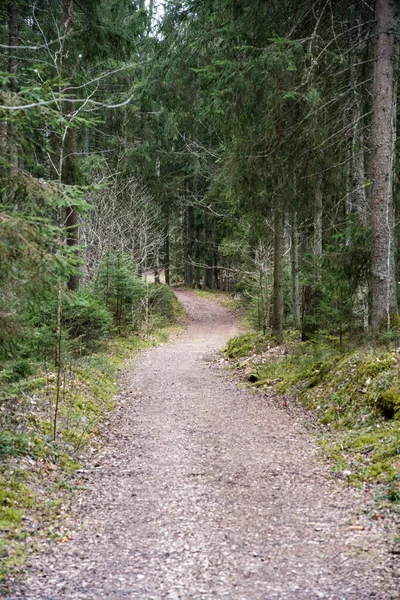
207	490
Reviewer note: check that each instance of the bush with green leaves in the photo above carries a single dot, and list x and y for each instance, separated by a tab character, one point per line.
163	302
85	316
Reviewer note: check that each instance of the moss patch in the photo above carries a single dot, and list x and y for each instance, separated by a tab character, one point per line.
39	453
248	344
354	395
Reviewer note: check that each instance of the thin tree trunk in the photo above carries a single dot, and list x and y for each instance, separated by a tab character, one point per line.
294	259
13	39
68	176
393	308
167	259
279	246
189	233
209	248
198	226
384	304
318	228
358	198
156	268
69	157
196	278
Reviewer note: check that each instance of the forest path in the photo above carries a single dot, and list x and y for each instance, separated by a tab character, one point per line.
207	490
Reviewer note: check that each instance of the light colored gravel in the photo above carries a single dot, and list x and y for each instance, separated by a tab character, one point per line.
208	490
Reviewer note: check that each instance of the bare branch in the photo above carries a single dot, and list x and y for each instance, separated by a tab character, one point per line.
71	100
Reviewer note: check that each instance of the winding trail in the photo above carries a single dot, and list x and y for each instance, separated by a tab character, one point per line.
207	490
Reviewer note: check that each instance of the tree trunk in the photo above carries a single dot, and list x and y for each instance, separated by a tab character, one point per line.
294	259
358	197
68	176
197	248
196	278
69	157
157	268
13	38
167	259
209	278
393	241
318	228
279	246
189	234
384	303
68	16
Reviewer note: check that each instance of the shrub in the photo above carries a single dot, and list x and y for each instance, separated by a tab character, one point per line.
163	302
121	290
85	316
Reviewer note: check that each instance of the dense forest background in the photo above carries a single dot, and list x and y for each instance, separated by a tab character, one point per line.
247	147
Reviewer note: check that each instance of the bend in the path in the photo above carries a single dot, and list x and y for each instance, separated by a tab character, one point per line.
207	490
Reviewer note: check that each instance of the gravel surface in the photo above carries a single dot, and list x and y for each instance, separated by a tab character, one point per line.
209	490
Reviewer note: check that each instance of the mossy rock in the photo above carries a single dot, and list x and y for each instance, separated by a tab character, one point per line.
248	344
328	417
374	366
388	404
314	373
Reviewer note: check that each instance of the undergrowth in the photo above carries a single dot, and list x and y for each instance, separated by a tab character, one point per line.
37	459
354	394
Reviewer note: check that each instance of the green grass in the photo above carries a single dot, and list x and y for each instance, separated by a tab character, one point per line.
248	344
35	469
353	394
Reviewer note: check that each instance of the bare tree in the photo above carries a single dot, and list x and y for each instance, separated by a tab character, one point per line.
125	217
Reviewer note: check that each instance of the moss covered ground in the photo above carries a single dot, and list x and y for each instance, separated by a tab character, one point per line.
42	444
352	394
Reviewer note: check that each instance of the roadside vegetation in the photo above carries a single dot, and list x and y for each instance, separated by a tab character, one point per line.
351	393
246	147
53	411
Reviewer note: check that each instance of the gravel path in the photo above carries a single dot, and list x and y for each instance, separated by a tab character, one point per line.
207	490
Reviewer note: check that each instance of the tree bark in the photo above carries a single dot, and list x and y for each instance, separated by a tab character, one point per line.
209	277
294	259
13	38
358	197
279	246
318	228
189	234
68	176
167	260
69	157
384	304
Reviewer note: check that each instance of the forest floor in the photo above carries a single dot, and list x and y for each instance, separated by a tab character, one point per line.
206	489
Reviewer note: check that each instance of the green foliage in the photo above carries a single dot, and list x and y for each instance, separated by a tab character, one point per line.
393	494
17	370
13	444
86	317
388	403
121	289
248	344
354	394
163	302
